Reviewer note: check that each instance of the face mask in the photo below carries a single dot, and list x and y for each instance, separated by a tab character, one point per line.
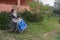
15	14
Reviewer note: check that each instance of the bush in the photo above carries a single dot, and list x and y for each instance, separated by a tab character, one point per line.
26	15
4	18
31	17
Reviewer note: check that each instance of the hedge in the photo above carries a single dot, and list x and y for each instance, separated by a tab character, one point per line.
26	15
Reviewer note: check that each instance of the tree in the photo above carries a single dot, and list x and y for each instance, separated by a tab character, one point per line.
39	7
34	6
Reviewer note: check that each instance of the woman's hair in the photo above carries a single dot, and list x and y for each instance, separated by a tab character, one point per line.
12	10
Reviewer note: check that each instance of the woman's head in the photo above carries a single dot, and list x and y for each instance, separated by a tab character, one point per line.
13	11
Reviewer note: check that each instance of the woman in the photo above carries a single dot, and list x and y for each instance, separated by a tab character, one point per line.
13	15
14	18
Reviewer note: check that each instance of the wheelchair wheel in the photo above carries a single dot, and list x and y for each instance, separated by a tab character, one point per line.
10	27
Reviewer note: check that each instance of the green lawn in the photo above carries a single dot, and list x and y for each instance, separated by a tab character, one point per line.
48	29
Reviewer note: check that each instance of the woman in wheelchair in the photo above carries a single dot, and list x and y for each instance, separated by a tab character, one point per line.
16	24
14	18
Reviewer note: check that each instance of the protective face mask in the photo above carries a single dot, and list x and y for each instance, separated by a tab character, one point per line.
14	14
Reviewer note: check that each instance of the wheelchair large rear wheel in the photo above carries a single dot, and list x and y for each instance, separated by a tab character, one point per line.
10	27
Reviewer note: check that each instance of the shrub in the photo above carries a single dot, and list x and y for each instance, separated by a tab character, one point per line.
26	15
4	18
31	17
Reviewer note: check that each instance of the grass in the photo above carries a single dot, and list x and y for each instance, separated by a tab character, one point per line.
58	37
36	31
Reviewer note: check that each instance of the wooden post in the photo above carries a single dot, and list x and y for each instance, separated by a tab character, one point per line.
18	5
18	2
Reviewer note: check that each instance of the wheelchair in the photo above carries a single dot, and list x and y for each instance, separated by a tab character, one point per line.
20	26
